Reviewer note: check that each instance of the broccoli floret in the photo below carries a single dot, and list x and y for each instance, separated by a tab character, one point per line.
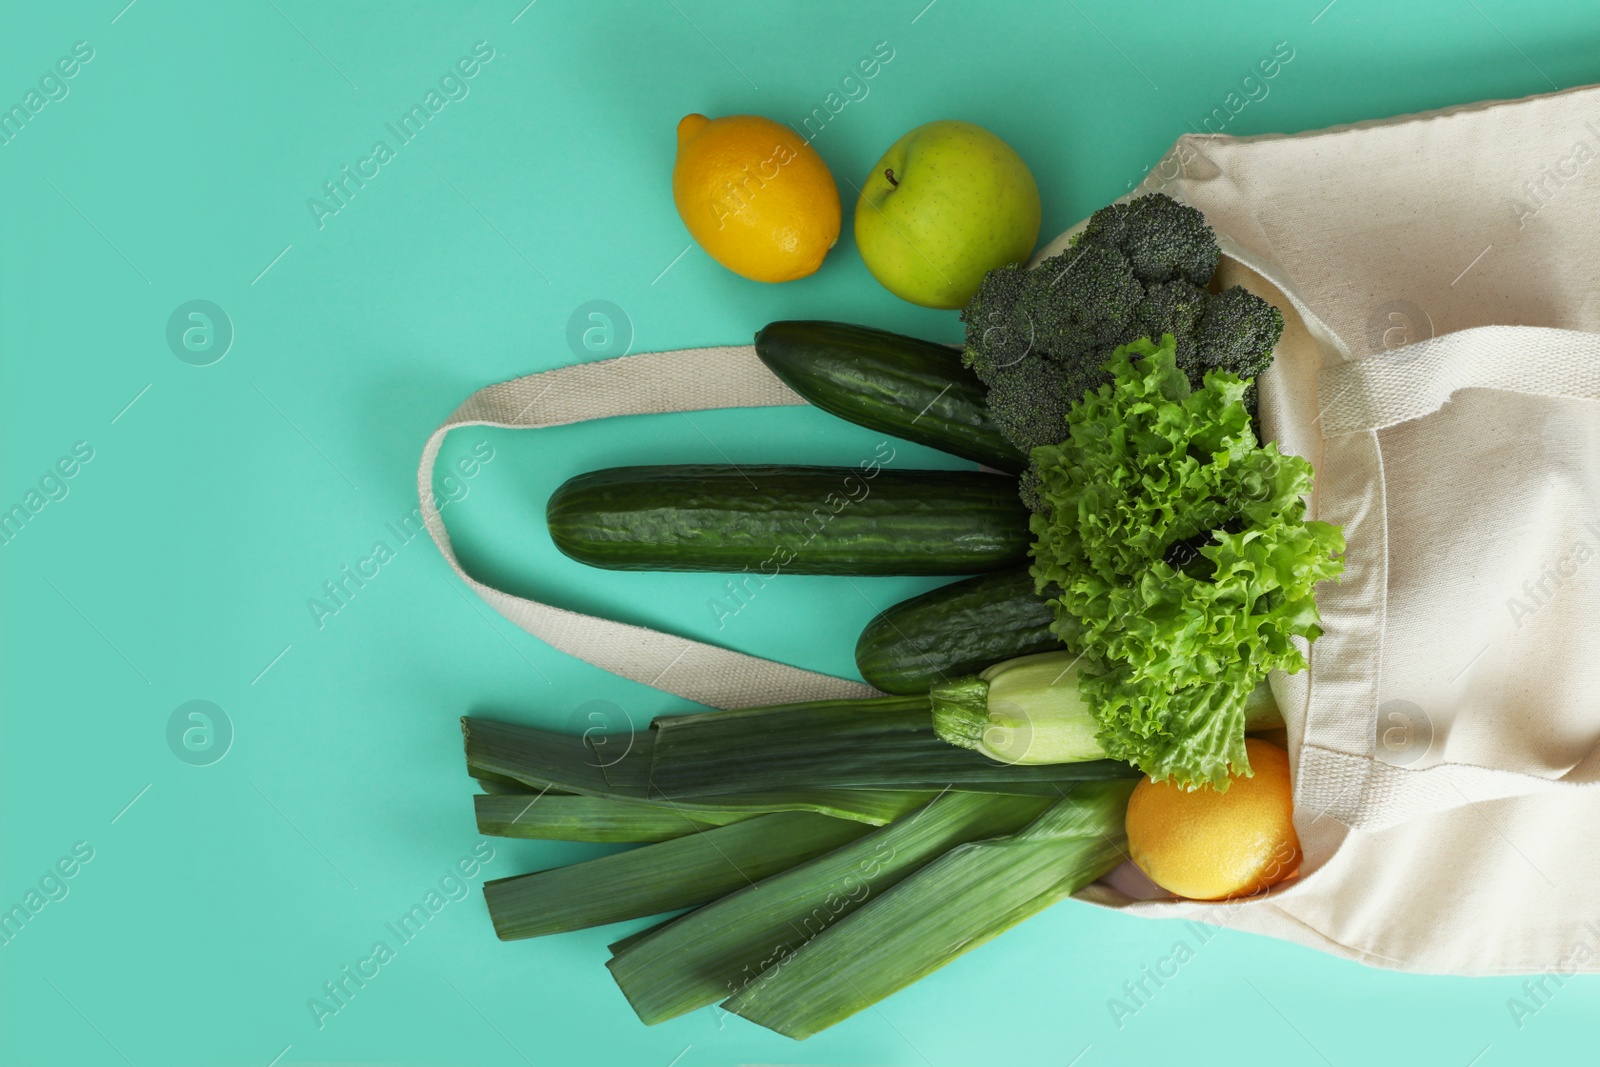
995	337
1176	308
1039	339
1236	334
1078	302
1163	239
1083	302
1029	402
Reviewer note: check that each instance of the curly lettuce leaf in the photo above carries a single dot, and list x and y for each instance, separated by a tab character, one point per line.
1185	565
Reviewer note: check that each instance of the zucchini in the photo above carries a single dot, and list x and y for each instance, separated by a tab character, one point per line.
916	390
955	630
796	520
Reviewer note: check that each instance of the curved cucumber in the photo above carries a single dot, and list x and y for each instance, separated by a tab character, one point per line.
916	390
790	520
955	630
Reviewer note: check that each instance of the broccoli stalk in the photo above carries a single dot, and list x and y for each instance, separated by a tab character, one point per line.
1039	339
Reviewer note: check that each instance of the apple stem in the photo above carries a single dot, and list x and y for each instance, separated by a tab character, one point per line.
889	173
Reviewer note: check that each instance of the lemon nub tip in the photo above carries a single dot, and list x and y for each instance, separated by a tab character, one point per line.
690	125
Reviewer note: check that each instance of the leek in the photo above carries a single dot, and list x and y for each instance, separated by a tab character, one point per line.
569	818
956	903
542	760
661	877
637	936
506	756
882	743
706	955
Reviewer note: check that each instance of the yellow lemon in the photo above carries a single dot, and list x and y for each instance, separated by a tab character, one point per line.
1207	845
755	196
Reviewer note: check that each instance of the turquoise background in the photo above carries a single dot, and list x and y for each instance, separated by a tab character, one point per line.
220	498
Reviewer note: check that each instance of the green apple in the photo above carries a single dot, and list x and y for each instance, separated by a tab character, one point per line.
947	203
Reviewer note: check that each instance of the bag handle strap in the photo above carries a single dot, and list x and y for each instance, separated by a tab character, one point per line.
1417	379
1386	390
1368	794
692	379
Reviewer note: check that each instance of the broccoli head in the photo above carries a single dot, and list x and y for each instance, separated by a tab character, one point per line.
1039	339
1085	299
1162	239
1079	301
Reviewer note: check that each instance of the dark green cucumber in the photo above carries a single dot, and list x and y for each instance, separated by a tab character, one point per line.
955	630
916	390
772	520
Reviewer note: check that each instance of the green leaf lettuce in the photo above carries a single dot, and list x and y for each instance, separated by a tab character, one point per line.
1184	564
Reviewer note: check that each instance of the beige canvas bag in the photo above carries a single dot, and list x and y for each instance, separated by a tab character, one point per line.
1440	368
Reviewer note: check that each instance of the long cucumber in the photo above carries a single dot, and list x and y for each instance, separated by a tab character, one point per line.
790	520
914	389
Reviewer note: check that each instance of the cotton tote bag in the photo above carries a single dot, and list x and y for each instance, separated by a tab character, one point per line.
1439	275
1440	368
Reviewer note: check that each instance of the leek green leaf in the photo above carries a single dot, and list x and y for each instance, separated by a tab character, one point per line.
954	904
661	877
